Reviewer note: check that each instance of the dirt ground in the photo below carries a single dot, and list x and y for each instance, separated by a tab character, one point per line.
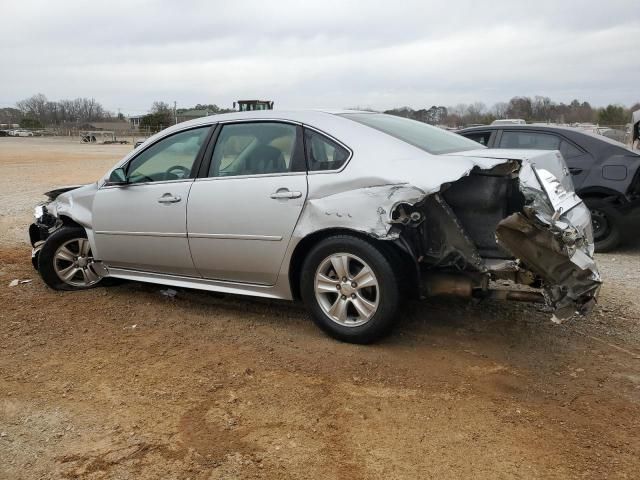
121	382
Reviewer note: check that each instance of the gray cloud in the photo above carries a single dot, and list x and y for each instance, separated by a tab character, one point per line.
320	54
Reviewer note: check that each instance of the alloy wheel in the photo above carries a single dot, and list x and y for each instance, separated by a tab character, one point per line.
347	289
73	263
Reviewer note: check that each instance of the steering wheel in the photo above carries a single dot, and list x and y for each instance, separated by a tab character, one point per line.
185	172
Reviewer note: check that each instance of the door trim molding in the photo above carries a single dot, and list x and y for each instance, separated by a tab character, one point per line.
232	236
141	234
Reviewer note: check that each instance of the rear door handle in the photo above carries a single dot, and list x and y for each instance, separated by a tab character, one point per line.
169	198
575	171
285	193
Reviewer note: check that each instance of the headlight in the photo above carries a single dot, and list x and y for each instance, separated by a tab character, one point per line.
39	211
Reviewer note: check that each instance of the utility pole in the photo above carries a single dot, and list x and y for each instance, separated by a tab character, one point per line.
175	115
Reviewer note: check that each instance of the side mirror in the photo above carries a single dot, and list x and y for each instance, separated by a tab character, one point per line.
117	177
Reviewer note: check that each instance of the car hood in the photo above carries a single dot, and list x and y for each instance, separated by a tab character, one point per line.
53	194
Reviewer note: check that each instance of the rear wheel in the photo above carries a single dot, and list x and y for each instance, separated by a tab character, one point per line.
606	224
350	288
66	262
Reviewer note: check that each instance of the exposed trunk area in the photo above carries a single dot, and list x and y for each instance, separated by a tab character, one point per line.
505	224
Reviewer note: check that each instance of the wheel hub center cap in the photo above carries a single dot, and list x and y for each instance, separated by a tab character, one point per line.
82	262
346	288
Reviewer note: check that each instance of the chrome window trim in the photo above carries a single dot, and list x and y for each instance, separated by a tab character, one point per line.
132	185
261	120
258	175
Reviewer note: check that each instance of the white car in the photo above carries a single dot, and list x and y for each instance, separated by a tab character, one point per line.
22	133
509	121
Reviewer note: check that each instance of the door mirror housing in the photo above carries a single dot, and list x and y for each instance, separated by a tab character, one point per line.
117	177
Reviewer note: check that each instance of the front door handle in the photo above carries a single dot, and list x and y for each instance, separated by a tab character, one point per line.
575	170
285	193
169	198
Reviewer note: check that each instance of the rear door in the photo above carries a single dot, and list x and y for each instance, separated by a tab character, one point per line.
242	211
579	161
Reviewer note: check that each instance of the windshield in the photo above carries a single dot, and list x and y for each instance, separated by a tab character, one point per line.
426	137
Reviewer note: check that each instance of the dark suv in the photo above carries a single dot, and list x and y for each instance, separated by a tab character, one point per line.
606	173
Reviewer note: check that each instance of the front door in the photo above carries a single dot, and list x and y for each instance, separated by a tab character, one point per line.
142	225
241	216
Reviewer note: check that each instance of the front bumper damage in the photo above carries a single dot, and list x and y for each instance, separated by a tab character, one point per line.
45	224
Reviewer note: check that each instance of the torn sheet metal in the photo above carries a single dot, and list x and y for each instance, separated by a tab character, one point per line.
365	200
553	238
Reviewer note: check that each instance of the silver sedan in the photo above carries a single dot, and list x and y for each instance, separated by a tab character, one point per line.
352	212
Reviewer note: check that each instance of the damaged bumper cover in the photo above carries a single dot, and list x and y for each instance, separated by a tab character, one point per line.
553	238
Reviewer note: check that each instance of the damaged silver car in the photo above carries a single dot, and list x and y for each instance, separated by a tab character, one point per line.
352	212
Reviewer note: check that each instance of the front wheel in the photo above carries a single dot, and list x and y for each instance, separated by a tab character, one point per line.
66	262
351	289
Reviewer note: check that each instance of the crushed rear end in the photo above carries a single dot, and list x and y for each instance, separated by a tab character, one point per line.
514	231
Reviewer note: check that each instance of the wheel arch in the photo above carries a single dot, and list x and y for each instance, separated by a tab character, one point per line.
67	221
603	193
405	264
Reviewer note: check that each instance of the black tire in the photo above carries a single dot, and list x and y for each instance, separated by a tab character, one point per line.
389	296
606	224
46	257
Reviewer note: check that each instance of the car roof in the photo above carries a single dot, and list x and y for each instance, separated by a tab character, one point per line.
576	134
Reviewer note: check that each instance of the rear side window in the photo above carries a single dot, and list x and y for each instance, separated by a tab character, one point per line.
323	153
529	140
568	150
256	148
481	137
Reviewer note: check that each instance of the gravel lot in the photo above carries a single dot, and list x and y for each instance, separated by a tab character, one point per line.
122	382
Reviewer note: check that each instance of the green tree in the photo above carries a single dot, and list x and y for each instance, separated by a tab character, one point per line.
30	123
156	121
612	115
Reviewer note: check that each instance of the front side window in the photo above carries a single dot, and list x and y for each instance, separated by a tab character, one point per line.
171	158
426	137
256	149
529	140
323	153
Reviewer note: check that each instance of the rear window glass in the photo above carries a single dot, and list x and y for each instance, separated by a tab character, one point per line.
426	137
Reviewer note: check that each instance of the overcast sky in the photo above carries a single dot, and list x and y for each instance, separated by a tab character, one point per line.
320	53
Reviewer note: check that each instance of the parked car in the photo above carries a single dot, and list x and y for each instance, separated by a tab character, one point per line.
352	212
22	133
606	173
509	121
